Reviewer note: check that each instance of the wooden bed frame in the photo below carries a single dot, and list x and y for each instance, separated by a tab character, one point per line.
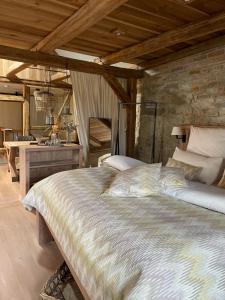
45	235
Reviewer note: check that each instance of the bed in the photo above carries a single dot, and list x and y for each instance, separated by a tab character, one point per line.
168	246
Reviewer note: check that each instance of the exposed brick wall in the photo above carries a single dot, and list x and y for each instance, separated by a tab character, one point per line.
188	91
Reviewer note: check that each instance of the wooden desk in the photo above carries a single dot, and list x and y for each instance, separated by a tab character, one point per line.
38	162
12	151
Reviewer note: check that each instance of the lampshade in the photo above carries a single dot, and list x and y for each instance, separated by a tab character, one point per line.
177	131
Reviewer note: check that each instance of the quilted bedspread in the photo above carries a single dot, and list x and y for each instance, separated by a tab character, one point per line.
155	248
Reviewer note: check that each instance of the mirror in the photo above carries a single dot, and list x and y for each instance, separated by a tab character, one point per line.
100	139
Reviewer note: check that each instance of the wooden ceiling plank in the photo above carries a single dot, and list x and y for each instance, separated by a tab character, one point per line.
55	7
111	40
193	50
83	50
88	15
146	19
187	6
170	9
38	58
18	35
110	35
14	43
160	14
210	7
170	38
129	29
93	44
12	9
133	25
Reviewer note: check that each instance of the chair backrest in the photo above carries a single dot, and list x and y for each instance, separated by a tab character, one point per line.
25	138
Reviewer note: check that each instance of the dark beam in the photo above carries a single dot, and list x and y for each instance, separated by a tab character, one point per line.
169	38
60	62
193	50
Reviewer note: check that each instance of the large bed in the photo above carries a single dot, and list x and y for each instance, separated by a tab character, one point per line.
157	247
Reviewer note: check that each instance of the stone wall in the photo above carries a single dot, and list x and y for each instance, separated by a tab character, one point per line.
188	91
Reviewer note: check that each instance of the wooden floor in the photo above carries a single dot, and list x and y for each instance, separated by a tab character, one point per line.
24	265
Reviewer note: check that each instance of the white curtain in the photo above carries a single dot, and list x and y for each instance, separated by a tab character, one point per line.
93	97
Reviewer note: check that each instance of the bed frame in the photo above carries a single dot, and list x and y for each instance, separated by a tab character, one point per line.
45	235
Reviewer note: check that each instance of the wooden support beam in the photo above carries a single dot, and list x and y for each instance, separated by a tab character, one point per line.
170	38
193	50
117	88
59	77
35	83
84	18
26	110
60	62
88	15
6	97
15	68
131	116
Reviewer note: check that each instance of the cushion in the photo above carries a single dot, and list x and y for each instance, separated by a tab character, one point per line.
122	163
190	172
207	141
221	184
141	181
210	165
172	177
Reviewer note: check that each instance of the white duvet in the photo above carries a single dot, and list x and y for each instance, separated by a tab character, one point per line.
152	248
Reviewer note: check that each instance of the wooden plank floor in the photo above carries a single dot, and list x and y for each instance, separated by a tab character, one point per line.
24	265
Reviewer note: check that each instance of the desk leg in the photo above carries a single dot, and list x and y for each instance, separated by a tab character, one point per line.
12	164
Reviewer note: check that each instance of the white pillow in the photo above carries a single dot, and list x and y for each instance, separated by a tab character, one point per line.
122	163
141	181
207	141
172	177
210	165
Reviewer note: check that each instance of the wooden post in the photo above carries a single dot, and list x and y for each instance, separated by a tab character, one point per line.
26	110
131	116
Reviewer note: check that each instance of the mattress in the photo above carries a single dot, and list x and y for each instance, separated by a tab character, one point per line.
133	248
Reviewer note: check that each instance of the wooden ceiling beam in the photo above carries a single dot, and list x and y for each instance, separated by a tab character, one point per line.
117	88
15	68
193	50
35	83
61	62
59	77
170	38
88	15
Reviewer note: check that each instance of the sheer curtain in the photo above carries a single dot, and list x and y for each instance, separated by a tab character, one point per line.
93	97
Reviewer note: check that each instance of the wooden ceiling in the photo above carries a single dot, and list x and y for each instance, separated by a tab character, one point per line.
144	32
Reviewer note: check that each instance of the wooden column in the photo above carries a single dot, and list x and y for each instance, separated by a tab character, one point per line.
131	116
26	110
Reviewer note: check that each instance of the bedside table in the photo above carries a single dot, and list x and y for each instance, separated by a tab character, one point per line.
38	162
